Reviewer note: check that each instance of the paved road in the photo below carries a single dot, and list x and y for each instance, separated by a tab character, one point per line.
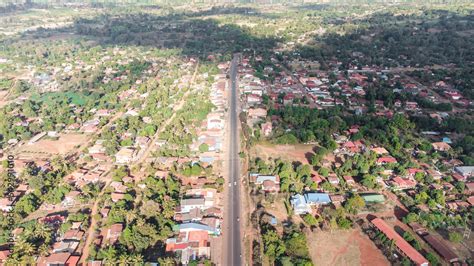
233	245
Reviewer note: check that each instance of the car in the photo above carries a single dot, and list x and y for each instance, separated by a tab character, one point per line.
230	184
235	183
238	219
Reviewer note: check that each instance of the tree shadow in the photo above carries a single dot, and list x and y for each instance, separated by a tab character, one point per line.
192	36
190	33
382	39
225	10
314	7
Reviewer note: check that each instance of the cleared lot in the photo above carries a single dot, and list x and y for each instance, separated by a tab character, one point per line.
348	247
45	147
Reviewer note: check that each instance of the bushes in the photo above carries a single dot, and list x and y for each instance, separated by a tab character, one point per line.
193	170
286	139
203	147
455	237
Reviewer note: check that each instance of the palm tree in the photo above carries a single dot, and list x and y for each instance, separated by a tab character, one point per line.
130	216
24	247
43	250
136	259
124	259
168	261
43	231
110	255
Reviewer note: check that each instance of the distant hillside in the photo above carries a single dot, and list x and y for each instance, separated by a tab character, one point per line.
25	3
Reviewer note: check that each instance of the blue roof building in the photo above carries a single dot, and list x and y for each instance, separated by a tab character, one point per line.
317	198
299	204
447	140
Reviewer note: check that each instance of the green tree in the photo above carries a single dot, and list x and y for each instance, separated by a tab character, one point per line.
273	245
203	147
432	259
311	220
296	245
354	203
369	181
455	237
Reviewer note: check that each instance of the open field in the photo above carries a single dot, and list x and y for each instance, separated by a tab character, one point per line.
300	152
350	247
48	147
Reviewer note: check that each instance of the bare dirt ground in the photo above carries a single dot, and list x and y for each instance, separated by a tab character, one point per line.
299	152
349	247
3	98
277	209
48	147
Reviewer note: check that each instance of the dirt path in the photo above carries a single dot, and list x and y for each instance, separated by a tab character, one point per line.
90	231
111	121
169	120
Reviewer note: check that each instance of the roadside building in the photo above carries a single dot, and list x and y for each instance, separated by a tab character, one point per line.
402	246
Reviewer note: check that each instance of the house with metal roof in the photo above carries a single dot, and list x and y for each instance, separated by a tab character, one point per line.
403	247
317	198
193	203
299	204
373	198
465	171
262	178
189	227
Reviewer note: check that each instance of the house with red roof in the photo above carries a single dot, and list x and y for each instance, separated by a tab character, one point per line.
189	245
458	177
112	234
254	99
386	160
257	113
288	99
402	183
59	258
267	183
353	146
4	256
354	129
333	179
267	129
470	200
440	146
379	150
469	188
73	260
117	196
453	95
349	180
317	178
411	172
